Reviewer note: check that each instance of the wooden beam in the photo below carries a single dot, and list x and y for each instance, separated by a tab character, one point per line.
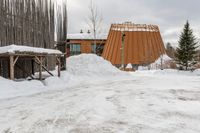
23	70
12	72
15	60
44	68
38	59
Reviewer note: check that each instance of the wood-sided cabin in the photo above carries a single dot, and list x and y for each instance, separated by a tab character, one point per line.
84	43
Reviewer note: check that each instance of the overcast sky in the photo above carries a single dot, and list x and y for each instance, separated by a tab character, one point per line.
169	15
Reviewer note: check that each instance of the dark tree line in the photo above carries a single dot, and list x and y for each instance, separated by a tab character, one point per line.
32	22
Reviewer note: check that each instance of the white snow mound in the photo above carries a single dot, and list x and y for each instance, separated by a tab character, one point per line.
90	65
164	59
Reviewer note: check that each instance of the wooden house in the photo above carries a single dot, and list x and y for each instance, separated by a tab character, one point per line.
84	43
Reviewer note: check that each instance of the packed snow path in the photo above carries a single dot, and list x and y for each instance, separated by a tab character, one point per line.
140	103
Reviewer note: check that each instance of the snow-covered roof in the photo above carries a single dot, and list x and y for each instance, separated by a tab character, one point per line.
13	49
86	36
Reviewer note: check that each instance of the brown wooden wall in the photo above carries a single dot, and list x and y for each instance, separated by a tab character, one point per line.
86	44
141	46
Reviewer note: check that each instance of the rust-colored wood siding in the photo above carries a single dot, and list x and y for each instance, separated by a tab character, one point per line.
143	44
86	44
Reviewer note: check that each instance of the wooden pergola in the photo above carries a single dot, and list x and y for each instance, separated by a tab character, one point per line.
38	57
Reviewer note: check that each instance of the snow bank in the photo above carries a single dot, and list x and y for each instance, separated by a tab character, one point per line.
152	101
129	66
169	72
90	65
164	59
9	88
80	69
84	69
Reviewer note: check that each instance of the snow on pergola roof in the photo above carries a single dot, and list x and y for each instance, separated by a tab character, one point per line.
86	36
129	26
17	49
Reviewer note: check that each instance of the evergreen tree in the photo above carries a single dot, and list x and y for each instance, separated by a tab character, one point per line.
186	51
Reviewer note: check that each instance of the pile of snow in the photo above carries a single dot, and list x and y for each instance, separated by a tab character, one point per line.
80	69
165	60
90	65
18	48
129	66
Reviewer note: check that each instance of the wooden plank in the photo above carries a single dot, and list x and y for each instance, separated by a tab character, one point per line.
44	68
15	60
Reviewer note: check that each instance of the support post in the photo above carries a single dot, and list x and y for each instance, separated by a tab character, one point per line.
59	65
40	68
12	72
32	67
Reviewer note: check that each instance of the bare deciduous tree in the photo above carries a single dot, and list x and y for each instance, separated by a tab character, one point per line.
95	21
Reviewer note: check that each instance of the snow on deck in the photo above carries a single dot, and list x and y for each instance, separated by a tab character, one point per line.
12	49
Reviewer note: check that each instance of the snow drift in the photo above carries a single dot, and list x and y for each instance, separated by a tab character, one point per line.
165	60
80	68
154	101
90	65
9	88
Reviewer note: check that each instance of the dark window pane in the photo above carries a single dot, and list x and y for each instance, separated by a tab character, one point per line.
75	49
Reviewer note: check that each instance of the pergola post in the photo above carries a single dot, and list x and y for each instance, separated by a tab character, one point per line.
40	68
59	65
32	67
12	72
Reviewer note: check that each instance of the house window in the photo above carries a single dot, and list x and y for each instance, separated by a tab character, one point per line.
75	49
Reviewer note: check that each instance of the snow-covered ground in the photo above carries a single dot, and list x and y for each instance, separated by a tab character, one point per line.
95	97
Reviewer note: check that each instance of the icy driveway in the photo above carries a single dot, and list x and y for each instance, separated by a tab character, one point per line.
141	103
